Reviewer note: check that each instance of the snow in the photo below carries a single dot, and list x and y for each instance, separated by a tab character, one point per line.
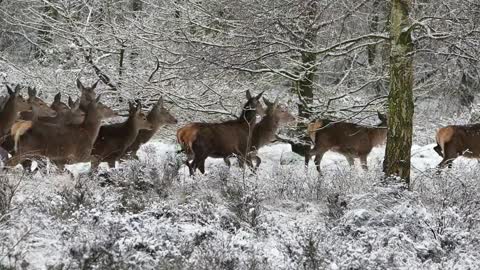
281	218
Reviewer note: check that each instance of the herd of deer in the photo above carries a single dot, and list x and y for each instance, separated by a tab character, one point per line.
67	134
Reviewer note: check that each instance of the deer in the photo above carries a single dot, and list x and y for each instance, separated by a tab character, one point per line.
222	140
265	130
187	134
457	140
158	116
114	140
57	104
38	107
62	144
349	139
14	104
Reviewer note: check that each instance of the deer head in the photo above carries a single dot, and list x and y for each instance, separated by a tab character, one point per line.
57	104
161	115
39	107
136	115
278	111
14	96
383	119
87	93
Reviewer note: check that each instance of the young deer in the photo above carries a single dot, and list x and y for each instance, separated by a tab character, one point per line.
264	131
349	139
15	104
457	140
113	140
62	144
158	116
222	140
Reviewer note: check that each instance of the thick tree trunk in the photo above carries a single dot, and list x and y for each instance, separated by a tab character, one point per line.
400	99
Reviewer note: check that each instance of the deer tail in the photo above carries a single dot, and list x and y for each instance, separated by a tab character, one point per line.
18	129
313	127
443	136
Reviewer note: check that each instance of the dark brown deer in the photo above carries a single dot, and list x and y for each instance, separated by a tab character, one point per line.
264	131
158	116
222	140
15	104
349	139
187	134
113	140
64	144
457	140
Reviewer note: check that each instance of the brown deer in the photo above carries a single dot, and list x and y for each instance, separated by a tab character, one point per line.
158	116
222	140
87	94
15	104
38	107
457	140
57	104
72	116
264	131
113	140
349	139
63	144
187	134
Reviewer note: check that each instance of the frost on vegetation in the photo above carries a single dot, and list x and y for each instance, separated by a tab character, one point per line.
147	214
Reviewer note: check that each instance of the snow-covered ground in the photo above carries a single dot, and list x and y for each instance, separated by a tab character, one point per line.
151	214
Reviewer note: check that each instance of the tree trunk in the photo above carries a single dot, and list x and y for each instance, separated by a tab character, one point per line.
400	99
304	89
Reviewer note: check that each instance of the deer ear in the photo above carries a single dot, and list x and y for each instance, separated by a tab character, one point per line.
10	91
267	102
17	89
160	102
94	85
249	95
58	97
138	109
31	92
80	85
70	102
259	95
76	104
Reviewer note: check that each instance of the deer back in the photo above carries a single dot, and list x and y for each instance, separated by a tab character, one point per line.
230	137
113	140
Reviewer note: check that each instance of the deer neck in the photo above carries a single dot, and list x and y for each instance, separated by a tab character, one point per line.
154	119
131	128
378	135
265	130
8	115
92	125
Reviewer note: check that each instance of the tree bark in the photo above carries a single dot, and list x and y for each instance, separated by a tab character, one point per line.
400	99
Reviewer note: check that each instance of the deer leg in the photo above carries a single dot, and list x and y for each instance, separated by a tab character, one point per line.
227	161
438	149
363	161
199	162
350	160
450	155
318	160
111	163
